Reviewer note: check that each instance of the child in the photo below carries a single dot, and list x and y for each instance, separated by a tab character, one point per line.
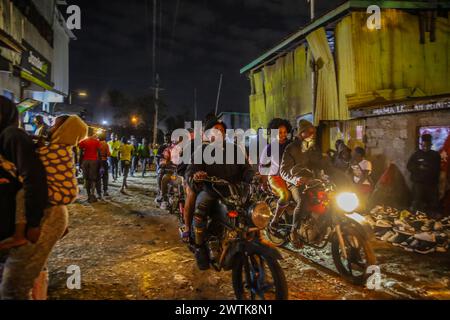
57	158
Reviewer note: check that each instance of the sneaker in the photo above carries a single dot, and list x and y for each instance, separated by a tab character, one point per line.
409	243
421	215
442	248
428	226
375	211
446	221
164	205
425	247
405	214
441	239
371	221
387	236
426	236
417	224
438	226
106	194
442	242
92	199
201	255
403	226
381	228
399	239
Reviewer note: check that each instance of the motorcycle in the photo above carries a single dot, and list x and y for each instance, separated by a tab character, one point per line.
328	217
176	198
234	243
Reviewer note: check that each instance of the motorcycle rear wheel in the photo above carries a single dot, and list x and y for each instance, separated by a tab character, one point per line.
257	277
357	248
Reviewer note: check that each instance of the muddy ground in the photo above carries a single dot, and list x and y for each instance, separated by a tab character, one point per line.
127	249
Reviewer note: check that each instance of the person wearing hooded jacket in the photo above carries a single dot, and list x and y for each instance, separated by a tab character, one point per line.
62	187
21	160
302	153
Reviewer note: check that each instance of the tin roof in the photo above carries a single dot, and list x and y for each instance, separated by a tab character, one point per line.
334	15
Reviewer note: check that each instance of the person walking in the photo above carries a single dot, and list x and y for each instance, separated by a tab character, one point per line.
125	155
103	177
90	150
145	155
134	156
424	166
114	146
20	169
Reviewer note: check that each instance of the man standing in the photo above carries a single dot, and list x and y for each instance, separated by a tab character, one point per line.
114	147
304	156
103	178
424	166
144	154
90	157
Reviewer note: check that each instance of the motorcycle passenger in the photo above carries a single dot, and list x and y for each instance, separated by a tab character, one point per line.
159	169
276	182
190	195
302	153
168	178
233	173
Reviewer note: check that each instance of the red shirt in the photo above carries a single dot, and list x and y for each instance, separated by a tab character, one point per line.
104	150
91	147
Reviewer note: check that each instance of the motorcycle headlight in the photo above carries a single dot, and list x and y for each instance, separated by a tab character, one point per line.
348	202
261	215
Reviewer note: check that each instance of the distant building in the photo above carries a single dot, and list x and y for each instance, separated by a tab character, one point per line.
34	52
236	120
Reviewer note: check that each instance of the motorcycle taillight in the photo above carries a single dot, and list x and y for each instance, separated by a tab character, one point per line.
233	214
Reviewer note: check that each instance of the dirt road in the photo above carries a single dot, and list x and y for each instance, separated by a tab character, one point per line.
127	248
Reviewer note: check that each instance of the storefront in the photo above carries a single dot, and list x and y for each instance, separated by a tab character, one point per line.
34	57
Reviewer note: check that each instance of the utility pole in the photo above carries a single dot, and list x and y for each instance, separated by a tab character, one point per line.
218	94
155	77
195	105
312	5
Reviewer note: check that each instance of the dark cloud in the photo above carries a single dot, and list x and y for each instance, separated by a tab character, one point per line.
211	37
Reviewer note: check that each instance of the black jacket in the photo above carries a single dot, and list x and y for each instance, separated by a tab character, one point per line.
294	156
233	173
17	147
425	167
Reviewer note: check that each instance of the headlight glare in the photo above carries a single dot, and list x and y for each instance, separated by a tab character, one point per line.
348	202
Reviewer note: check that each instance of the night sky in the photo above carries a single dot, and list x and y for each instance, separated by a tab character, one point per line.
209	37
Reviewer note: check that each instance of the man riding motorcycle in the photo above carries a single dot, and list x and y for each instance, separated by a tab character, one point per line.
234	173
301	153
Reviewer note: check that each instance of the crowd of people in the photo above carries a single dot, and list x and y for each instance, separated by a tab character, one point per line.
350	168
98	159
38	180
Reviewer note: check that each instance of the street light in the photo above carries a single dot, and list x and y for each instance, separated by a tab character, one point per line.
105	123
134	120
81	94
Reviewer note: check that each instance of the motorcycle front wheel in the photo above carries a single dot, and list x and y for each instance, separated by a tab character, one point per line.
360	256
256	277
